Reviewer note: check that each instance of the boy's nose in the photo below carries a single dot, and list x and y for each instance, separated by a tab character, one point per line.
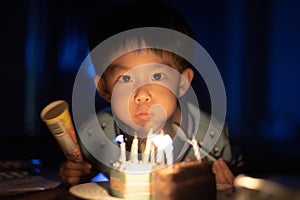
142	96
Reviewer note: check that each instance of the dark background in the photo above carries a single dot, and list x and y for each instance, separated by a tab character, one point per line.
254	43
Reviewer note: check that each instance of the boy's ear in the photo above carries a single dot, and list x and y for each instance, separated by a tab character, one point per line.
102	88
185	81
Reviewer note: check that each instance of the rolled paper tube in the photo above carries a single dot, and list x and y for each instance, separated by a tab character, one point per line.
57	117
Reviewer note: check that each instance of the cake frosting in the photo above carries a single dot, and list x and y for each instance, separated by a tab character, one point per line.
132	180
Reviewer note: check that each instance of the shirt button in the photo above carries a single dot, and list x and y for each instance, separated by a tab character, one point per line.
90	132
212	133
102	143
216	149
103	124
201	143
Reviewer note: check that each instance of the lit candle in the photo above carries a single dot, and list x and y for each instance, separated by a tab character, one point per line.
196	148
168	149
152	154
160	156
120	139
159	142
146	153
134	150
123	152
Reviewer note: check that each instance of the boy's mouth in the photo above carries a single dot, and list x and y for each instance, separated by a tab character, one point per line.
143	115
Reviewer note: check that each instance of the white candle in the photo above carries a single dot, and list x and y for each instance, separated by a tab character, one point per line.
134	150
120	139
146	152
152	154
168	149
159	142
123	152
160	156
196	148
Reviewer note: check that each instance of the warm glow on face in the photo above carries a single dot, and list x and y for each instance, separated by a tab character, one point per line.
143	89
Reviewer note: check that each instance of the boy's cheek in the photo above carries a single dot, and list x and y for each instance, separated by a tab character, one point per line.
121	94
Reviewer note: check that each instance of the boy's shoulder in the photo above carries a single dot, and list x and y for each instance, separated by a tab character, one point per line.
210	129
105	115
206	120
105	119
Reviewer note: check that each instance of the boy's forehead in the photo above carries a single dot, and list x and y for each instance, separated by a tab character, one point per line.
141	57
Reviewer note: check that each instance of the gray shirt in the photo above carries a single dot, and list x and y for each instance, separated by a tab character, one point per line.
99	149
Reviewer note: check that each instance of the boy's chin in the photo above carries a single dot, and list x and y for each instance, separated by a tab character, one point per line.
144	128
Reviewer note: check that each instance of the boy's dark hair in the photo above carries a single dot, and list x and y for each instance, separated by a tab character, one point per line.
137	14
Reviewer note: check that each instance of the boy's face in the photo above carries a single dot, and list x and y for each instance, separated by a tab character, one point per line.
143	88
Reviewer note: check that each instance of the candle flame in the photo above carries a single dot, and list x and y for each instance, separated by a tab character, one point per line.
119	138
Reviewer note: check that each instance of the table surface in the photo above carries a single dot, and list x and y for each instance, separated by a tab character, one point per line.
61	192
53	194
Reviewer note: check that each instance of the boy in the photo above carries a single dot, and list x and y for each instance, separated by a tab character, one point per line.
144	87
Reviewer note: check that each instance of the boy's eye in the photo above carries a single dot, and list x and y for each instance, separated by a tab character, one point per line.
157	76
125	79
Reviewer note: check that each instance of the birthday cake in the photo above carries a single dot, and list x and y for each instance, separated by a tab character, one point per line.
131	179
156	178
183	180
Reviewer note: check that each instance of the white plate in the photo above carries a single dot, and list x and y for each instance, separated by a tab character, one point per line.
92	191
99	191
